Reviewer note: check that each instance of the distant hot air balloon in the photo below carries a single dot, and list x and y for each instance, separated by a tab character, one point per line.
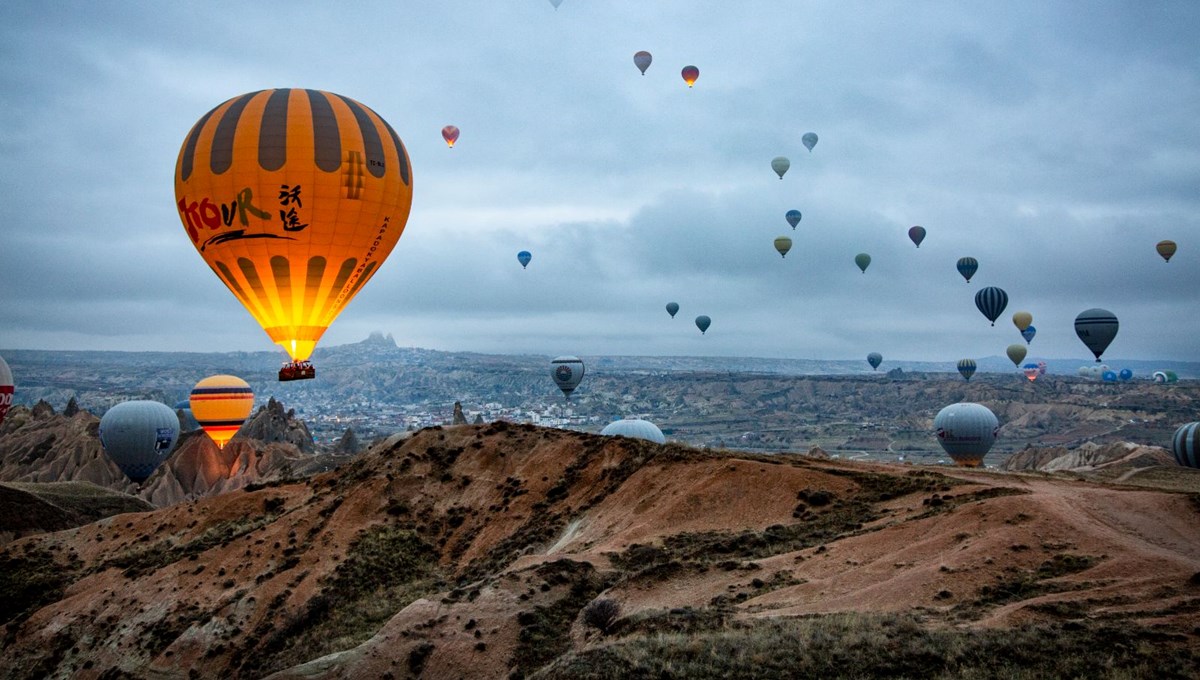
672	308
809	140
1109	376
1096	328
556	3
567	372
642	60
1031	371
874	358
690	75
703	322
1016	353
780	165
1166	249
294	198
783	244
1125	374
967	266
220	404
1186	445
1028	334
793	217
1022	320
991	302
916	235
524	257
6	389
634	428
450	134
966	431
863	261
138	436
966	367
1041	368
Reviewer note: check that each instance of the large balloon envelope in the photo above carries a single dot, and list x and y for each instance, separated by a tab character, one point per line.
294	198
672	308
783	244
966	368
690	75
567	372
991	302
642	60
1186	445
967	266
138	436
874	358
916	235
863	261
524	257
1096	328
450	134
703	322
635	428
1016	353
809	140
793	217
1166	249
780	165
966	431
1028	334
6	389
220	404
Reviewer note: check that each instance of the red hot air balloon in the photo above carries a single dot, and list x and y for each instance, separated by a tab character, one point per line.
690	75
450	134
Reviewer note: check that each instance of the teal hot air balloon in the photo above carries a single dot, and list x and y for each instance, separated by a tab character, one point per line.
1028	334
703	322
874	358
916	235
1186	445
966	368
809	140
1096	328
863	261
138	436
524	257
991	302
672	308
967	266
780	165
793	217
567	372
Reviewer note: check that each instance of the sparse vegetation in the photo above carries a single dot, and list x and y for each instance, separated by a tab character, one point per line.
601	613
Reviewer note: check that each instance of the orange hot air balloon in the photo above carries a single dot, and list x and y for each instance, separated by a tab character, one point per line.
293	198
220	404
450	134
1165	249
690	74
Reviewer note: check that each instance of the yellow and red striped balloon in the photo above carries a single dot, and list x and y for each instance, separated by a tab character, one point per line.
221	403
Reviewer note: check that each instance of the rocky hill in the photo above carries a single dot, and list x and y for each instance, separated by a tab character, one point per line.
507	551
28	509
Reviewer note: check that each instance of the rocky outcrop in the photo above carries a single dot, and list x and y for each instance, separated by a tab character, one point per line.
1087	457
28	509
348	444
38	445
271	424
459	418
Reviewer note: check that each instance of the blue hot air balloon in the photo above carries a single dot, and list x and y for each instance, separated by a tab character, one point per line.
672	308
1109	376
991	301
703	322
1125	374
1028	334
793	217
967	266
524	257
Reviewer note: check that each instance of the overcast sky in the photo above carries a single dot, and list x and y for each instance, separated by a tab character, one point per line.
1056	142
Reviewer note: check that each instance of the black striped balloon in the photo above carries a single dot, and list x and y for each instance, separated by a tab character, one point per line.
991	301
1186	445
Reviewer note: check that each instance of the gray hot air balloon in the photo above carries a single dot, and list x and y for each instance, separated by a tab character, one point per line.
703	322
809	140
1096	328
863	261
567	372
635	428
6	389
874	358
642	60
138	436
780	165
672	308
966	431
1186	445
